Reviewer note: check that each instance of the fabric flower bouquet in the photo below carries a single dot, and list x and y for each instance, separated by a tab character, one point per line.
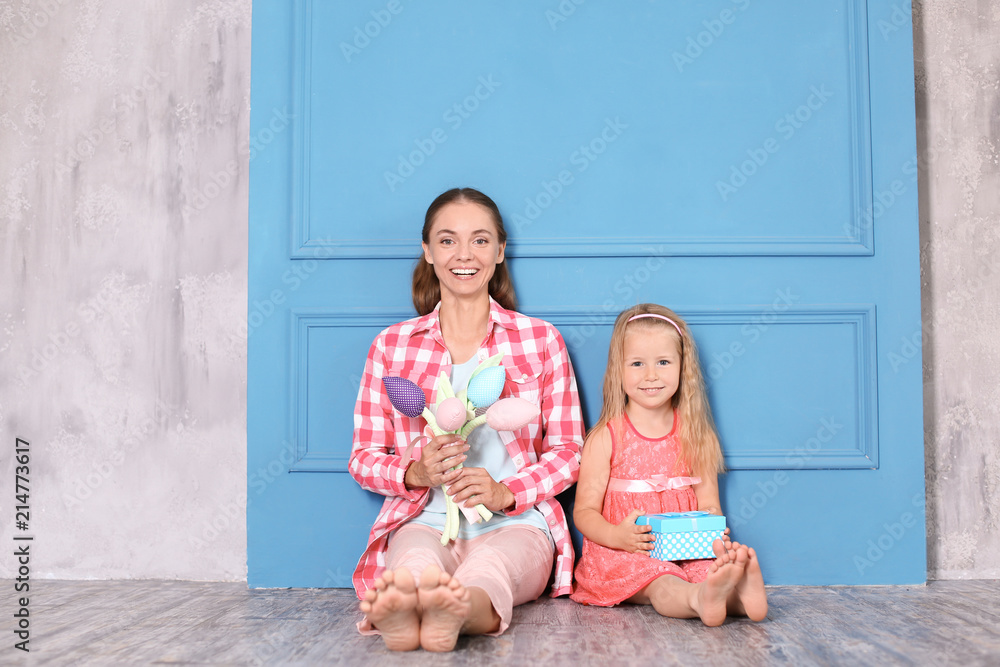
462	413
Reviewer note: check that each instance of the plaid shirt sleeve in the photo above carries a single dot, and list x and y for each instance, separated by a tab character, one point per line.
371	463
558	465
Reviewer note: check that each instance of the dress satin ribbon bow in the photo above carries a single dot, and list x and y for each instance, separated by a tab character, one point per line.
654	483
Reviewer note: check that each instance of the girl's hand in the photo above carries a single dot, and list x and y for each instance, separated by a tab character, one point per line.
632	538
475	485
437	459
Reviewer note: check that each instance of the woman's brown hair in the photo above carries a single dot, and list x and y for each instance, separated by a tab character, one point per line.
427	288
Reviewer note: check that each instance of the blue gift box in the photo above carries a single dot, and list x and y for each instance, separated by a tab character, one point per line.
683	535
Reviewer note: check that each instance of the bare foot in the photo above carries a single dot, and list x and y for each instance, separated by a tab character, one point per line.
446	605
391	606
750	589
721	546
723	575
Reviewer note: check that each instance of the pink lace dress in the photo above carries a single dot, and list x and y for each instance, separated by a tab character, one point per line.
606	577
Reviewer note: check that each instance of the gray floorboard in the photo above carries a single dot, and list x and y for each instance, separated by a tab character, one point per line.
206	623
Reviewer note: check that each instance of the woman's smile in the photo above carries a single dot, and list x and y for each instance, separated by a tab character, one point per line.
464	250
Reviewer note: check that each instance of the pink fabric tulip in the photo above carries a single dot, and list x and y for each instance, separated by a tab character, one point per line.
511	414
451	414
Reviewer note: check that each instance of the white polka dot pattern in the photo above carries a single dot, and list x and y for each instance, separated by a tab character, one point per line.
685	546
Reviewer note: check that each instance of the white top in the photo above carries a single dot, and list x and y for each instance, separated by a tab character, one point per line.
486	450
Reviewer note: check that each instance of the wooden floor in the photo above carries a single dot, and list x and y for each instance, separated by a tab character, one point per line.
178	622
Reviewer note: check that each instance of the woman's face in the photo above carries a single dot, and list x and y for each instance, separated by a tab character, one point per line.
464	249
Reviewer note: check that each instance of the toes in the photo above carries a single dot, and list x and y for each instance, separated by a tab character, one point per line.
431	577
718	548
384	581
403	580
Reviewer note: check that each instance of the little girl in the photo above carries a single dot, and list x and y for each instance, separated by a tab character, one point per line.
654	449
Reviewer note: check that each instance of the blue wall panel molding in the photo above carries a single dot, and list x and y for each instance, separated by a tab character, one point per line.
857	227
306	321
858	448
672	100
301	76
817	231
855	449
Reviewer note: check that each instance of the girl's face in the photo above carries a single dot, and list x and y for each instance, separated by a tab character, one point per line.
652	367
464	249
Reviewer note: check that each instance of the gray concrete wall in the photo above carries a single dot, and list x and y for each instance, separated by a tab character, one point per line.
124	281
957	63
123	234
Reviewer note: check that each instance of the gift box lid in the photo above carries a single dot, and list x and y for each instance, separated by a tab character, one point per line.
682	522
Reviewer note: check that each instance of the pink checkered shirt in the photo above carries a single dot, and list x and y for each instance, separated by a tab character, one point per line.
545	452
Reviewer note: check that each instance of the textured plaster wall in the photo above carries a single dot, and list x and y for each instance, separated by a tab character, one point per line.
123	211
123	281
958	127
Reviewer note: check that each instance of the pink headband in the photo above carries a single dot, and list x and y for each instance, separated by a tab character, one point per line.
659	317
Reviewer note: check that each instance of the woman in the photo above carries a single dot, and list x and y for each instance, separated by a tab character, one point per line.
414	591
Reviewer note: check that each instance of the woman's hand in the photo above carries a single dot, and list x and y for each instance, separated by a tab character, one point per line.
632	538
475	485
437	459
